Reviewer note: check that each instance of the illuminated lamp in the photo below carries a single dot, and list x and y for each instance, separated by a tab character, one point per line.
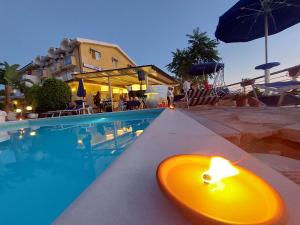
211	190
135	87
104	88
116	90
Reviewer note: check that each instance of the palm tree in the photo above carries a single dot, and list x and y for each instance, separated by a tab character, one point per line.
10	77
200	48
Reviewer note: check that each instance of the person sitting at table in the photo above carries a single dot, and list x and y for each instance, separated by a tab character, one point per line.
137	103
97	101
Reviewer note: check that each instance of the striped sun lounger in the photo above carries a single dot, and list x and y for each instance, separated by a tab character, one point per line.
201	97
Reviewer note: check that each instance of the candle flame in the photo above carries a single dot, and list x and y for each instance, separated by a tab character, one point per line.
219	169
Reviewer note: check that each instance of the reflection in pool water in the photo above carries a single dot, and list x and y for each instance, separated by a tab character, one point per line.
43	169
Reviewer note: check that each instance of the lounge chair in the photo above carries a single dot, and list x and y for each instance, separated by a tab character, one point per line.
201	97
78	109
282	89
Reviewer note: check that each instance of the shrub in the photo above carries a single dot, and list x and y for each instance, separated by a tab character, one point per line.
1	105
55	95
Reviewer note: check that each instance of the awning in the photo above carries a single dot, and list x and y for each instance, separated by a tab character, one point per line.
127	76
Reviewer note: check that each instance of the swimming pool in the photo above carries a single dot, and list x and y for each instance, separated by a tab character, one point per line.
45	164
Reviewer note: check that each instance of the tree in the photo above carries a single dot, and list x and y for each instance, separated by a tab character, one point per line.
200	49
10	77
54	95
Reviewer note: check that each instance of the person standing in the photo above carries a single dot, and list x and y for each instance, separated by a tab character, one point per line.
97	100
186	86
170	96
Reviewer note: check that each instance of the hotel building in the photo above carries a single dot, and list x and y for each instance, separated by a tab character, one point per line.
104	67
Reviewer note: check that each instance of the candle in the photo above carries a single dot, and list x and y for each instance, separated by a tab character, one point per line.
213	191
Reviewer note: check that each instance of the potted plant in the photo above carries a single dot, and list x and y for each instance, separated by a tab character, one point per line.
252	101
241	100
246	82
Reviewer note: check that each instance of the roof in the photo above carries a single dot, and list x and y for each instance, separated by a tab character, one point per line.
127	76
84	40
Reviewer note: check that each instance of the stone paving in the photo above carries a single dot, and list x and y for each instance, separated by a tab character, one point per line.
266	132
274	130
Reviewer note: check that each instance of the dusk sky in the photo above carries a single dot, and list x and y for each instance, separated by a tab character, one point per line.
147	30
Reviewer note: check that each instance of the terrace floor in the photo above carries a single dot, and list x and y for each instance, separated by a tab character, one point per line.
271	134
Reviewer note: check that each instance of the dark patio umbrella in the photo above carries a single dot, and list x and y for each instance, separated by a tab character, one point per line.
205	68
81	91
248	20
267	66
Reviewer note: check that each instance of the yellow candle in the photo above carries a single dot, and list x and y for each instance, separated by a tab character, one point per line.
240	198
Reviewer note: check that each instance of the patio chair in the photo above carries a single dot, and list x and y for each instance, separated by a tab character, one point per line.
201	97
282	89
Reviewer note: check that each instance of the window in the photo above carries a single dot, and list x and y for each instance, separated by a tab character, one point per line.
95	54
114	62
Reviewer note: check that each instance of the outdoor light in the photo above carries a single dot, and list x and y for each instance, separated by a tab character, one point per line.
135	87
29	108
73	89
18	110
104	88
171	107
116	91
212	190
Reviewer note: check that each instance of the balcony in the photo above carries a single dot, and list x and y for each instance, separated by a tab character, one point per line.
69	62
55	68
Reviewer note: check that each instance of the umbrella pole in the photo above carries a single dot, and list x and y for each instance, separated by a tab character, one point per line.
110	92
267	72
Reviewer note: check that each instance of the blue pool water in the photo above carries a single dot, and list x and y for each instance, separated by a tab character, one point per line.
46	164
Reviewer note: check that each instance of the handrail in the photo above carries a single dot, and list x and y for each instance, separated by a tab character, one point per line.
274	73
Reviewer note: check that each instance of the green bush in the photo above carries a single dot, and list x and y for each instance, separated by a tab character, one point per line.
1	105
32	95
55	95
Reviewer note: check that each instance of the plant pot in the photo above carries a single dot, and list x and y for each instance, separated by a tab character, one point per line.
241	101
253	102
